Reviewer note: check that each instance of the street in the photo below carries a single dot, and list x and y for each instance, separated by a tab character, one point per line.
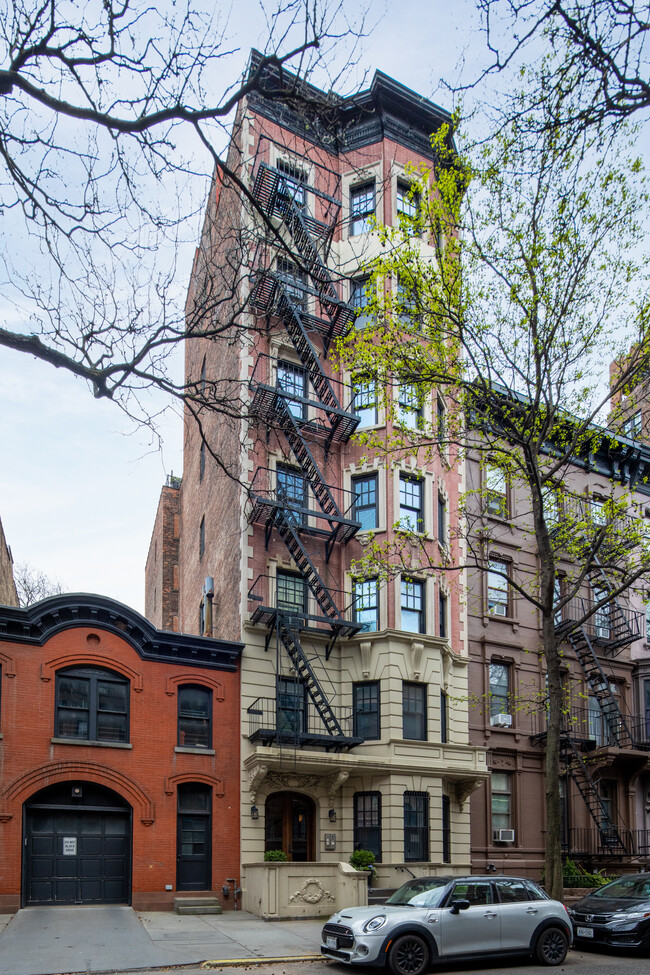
577	963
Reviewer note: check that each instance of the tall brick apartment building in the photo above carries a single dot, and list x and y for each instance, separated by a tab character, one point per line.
120	772
354	722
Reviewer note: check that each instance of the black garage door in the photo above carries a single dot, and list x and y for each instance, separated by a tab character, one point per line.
78	846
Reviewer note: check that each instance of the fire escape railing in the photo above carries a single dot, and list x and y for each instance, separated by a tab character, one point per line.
285	410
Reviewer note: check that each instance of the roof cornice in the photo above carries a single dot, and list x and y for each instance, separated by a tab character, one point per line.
36	624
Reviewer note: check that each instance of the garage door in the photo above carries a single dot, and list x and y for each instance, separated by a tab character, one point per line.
76	855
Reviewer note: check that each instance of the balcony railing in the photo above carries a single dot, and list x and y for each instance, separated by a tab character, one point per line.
590	516
299	605
289	720
592	842
605	626
267	494
591	727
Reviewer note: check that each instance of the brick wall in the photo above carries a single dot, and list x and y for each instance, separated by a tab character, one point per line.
8	595
162	569
146	773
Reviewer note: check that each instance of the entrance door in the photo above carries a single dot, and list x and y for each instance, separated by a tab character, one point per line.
77	846
289	825
194	847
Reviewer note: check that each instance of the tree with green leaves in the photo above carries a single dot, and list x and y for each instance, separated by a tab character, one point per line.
514	283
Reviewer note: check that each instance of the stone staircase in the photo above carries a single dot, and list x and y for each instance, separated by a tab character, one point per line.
377	895
197	905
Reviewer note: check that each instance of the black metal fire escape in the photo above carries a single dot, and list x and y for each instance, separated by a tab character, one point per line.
276	408
612	629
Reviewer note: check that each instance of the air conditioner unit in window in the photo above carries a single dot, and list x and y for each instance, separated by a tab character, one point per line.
501	720
499	609
504	836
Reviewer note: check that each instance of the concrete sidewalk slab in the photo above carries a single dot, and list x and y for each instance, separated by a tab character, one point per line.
58	940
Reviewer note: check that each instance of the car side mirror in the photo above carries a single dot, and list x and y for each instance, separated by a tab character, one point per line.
458	906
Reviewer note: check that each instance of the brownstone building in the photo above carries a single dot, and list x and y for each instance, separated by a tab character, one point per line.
120	769
606	739
354	690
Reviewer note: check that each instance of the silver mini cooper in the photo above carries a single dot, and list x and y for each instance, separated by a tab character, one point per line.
451	918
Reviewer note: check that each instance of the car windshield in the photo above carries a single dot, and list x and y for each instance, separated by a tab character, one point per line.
420	893
626	887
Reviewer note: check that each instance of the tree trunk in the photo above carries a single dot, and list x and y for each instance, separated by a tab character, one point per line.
553	853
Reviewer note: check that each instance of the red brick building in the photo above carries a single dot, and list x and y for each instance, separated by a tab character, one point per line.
120	776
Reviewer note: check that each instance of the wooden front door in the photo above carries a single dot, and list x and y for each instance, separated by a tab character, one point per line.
289	825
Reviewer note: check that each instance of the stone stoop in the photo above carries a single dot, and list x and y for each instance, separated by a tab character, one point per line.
377	895
197	905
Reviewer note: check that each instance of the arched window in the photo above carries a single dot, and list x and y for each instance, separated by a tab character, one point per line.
194	716
92	704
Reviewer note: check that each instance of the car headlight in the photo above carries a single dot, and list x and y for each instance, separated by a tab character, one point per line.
374	923
630	916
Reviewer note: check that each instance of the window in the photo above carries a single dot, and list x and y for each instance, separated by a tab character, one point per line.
501	788
414	711
292	493
367	822
602	616
416	826
512	890
365	701
92	705
202	460
411	503
292	381
292	183
443	717
412	605
364	401
409	406
364	489
292	593
295	284
442	615
292	706
646	707
407	306
632	427
202	537
442	521
359	299
366	604
446	829
496	501
194	716
408	201
203	381
362	207
498	588
499	688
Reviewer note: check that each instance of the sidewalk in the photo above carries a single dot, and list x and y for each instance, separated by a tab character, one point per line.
58	940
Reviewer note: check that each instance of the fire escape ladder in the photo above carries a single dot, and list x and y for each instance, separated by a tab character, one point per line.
275	197
588	788
305	458
618	623
308	570
290	639
599	684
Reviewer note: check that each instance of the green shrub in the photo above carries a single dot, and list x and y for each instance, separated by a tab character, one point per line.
275	856
362	859
576	876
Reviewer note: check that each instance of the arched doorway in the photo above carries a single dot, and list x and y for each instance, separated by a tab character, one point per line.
289	821
77	847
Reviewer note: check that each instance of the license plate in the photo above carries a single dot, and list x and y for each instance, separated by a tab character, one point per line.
584	932
331	942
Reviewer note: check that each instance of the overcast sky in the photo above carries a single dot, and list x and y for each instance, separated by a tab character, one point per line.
79	484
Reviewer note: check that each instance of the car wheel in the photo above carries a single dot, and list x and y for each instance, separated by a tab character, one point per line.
552	946
408	955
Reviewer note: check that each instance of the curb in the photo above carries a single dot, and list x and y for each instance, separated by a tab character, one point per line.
276	960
